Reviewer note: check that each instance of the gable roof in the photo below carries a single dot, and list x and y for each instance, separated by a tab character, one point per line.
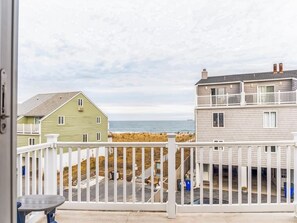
248	77
43	104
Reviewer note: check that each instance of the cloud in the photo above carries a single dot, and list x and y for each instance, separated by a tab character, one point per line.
129	53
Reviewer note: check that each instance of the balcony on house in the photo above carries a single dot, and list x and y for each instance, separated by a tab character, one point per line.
28	128
166	177
246	99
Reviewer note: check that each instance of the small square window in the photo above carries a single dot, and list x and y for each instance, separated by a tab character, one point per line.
272	149
31	141
217	148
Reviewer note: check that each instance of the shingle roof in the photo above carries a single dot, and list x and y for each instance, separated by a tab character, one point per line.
43	104
248	77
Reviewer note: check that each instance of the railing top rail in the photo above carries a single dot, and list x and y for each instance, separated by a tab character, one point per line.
112	144
32	148
238	143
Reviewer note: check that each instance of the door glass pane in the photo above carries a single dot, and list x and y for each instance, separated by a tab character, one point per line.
266	120
272	119
215	119
221	119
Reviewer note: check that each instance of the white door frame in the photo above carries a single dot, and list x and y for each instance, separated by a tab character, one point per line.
8	65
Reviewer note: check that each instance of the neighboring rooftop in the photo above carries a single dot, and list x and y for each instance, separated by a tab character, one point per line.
43	104
247	77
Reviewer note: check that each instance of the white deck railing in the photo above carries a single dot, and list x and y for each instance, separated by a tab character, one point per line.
203	177
28	128
243	99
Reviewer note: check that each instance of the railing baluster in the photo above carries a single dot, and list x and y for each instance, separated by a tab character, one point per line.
40	171
97	173
133	176
34	172
288	174
239	176
220	177
278	174
201	174
125	175
61	172
88	174
46	169
115	175
161	175
268	174
182	175
211	175
191	177
20	175
259	175
79	174
152	175
249	175
142	174
106	175
27	174
69	174
230	175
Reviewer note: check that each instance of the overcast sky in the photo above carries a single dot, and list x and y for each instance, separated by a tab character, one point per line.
140	59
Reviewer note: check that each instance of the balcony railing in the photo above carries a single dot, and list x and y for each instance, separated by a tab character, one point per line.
243	99
28	128
196	177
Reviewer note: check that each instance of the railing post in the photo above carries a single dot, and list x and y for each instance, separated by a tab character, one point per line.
295	173
171	204
51	169
227	99
242	98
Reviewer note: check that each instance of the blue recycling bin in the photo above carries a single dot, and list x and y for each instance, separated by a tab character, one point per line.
23	170
188	185
291	190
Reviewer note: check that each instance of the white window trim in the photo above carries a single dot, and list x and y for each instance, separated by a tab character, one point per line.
218	123
64	120
29	139
99	119
276	120
219	147
82	102
87	137
97	136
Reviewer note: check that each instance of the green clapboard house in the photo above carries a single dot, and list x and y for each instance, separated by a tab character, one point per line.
70	114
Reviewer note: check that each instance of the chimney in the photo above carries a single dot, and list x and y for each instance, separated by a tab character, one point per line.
204	74
280	68
275	68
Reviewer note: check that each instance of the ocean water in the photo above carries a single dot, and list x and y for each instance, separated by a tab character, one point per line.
152	126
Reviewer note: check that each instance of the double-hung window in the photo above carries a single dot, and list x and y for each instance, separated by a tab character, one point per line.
80	102
61	120
98	120
218	120
269	120
85	138
98	136
31	141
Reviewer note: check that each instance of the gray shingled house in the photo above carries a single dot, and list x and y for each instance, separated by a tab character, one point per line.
247	107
